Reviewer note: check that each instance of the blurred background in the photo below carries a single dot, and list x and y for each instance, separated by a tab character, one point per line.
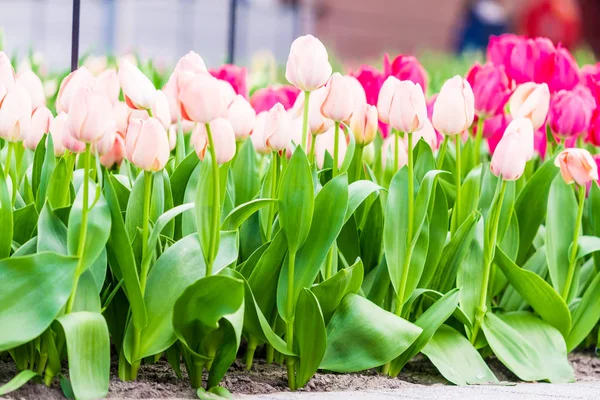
355	31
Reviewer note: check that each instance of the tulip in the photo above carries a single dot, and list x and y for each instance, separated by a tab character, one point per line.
120	114
577	165
594	131
146	144
405	68
189	65
363	124
359	97
494	128
160	108
236	76
223	139
115	155
258	133
138	90
15	114
88	116
500	48
408	111
308	65
530	100
192	62
32	83
491	88
202	99
264	99
105	144
172	133
278	127
510	156
317	123
325	143
454	108
371	80
388	153
228	95
69	142
80	78
571	112
338	103
50	88
108	83
96	64
241	116
386	96
566	72
532	60
427	133
40	124
57	129
7	72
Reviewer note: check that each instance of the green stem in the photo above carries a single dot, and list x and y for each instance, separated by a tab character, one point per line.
336	145
289	329
311	155
488	256
359	156
83	227
216	203
148	176
574	246
9	151
274	182
250	353
396	150
478	139
305	120
329	264
458	178
442	152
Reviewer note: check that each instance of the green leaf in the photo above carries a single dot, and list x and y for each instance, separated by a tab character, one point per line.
38	163
181	176
52	233
296	203
586	315
59	185
6	217
241	213
311	337
362	335
24	223
246	175
88	348
349	151
15	383
438	234
531	348
456	359
371	237
135	207
587	245
47	170
358	192
23	280
537	292
425	161
469	192
560	229
511	299
207	211
214	393
593	212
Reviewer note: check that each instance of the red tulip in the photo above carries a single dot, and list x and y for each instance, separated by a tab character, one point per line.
236	76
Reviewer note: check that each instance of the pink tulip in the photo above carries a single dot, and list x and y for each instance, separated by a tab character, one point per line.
15	114
405	68
120	114
359	97
427	133
202	99
317	124
325	144
236	76
597	159
258	133
80	78
278	127
363	124
32	83
454	108
7	72
387	152
264	99
105	144
571	112
115	155
160	108
594	131
577	165
339	102
308	65
530	100
89	115
108	83
96	64
192	62
189	65
371	80
223	139
241	116
510	157
57	131
532	60
493	129
500	48
138	90
386	96
566	72
296	137
172	133
491	88
40	124
146	144
408	111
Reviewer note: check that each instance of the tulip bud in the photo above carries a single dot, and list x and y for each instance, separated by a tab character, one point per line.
57	129
427	133
120	114
513	150
577	165
108	83
202	99
491	88
386	96
532	60
308	65
530	100
566	72
40	124
408	111
160	108
325	144
228	94
258	133
338	104
571	112
115	155
32	83
7	73
191	64
89	115
317	123
15	114
172	131
223	139
277	128
147	144
364	124
454	108
138	90
80	78
241	116
105	144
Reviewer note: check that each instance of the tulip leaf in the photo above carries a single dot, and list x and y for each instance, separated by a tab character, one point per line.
6	217
59	185
246	175
24	223
241	213
47	169
311	337
586	246
438	234
15	383
358	192
208	212
586	314
536	264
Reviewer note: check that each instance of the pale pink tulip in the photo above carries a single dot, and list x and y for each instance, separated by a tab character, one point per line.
108	82
241	116
308	65
359	96
511	154
32	83
363	124
120	114
189	65
160	108
454	108
105	144
387	152
386	96
223	139
172	137
116	153
339	103
89	114
408	111
531	100
258	133
325	144
317	123
96	64
203	99
80	78
40	124
138	90
278	128
577	165
228	94
15	114
147	144
57	131
7	72
427	133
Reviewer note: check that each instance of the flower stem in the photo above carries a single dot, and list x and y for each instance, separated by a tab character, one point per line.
311	155
488	257
250	353
396	150
359	156
83	227
458	178
289	329
274	182
9	151
216	204
574	246
478	139
148	177
336	145
305	120
442	152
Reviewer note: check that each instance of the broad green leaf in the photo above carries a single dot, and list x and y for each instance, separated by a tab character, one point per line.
424	160
587	245
371	237
24	223
358	192
469	195
456	359
241	213
24	309
469	277
15	383
362	335
246	175
208	211
38	163
586	315
6	217
135	207
311	337
52	233
181	176
560	229
531	348
88	348
59	185
349	151
296	204
47	169
86	297
593	212
438	234
511	299
537	292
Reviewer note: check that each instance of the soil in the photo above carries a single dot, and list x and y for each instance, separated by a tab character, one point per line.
159	381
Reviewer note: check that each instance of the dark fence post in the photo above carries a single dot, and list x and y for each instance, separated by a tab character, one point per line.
75	35
232	22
